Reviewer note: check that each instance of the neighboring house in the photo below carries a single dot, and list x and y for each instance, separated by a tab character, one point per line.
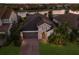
74	12
71	19
58	12
54	12
7	17
37	26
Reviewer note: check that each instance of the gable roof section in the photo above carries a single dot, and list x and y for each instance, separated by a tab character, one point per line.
7	14
2	11
33	21
44	20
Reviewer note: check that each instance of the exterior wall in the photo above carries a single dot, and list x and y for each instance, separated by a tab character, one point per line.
73	12
42	28
39	35
9	29
59	12
13	17
0	22
21	35
49	32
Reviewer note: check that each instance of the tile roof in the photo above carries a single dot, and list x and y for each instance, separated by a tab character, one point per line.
33	21
71	19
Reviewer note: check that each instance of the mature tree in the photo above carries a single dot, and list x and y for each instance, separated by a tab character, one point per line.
50	15
67	8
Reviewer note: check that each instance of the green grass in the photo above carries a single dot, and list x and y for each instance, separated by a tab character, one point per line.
9	50
45	49
69	49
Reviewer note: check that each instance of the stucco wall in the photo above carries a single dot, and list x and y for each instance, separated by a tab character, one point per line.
50	32
13	17
42	28
0	22
74	12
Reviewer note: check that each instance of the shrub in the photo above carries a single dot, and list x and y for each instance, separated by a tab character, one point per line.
60	35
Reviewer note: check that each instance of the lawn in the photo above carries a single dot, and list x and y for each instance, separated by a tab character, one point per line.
9	50
69	49
45	49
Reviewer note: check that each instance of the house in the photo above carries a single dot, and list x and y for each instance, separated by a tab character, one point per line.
37	26
71	19
7	18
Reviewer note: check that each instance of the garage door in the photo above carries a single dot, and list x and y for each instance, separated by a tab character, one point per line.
30	35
